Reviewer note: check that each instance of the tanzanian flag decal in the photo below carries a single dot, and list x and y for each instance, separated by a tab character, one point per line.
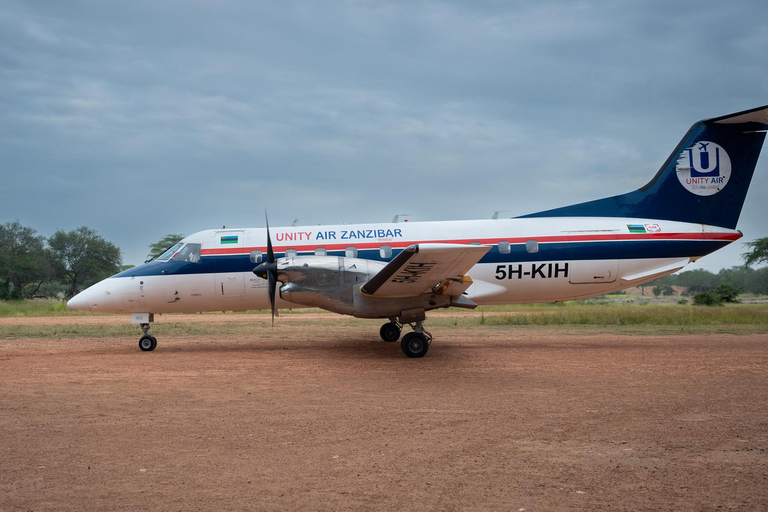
233	239
633	228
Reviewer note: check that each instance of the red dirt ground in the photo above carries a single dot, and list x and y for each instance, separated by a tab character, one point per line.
491	419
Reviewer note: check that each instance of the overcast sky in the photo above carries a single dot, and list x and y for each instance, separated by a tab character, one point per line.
144	118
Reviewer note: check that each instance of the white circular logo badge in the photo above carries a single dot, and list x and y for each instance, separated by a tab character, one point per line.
704	168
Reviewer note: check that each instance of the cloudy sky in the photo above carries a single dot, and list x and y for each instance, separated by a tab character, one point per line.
144	118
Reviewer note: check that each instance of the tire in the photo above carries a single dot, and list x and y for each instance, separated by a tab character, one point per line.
414	344
389	332
147	343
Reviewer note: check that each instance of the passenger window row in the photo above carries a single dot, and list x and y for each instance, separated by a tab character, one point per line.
531	246
385	251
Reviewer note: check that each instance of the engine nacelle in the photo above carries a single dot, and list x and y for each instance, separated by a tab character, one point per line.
333	283
326	282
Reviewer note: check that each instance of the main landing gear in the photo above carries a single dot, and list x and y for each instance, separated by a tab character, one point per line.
147	342
413	344
390	331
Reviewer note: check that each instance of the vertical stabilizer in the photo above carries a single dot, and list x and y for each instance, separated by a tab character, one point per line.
705	179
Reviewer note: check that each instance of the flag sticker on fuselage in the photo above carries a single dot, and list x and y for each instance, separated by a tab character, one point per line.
231	239
636	228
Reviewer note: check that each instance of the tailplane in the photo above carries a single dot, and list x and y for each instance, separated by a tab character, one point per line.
704	180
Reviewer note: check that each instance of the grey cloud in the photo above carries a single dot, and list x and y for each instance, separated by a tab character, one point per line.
141	119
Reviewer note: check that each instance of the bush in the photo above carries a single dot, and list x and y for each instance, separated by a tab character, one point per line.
707	299
727	293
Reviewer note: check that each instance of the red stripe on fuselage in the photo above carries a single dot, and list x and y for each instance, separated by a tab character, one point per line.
401	244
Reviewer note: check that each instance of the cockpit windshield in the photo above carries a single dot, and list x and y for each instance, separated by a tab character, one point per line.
169	252
190	253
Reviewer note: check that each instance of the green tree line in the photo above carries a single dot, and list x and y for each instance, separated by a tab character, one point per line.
742	278
728	282
66	262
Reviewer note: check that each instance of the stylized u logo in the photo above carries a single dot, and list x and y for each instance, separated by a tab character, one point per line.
702	164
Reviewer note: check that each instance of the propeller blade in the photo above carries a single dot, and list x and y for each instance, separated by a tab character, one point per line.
270	252
269	270
272	289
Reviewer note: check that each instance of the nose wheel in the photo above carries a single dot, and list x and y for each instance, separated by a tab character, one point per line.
147	342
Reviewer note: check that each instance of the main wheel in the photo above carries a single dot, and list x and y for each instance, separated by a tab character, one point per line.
414	344
147	343
390	332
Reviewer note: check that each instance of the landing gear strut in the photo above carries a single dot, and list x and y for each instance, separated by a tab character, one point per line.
147	342
391	331
416	343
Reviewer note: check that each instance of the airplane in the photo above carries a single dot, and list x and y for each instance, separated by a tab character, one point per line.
399	271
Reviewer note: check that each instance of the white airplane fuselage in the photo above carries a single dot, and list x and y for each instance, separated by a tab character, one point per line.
530	260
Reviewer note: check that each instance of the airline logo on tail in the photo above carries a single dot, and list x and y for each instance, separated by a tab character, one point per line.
704	168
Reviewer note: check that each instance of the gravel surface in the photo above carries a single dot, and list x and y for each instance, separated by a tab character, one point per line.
313	416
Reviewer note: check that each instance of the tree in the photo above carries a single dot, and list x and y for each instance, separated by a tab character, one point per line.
727	293
696	281
159	247
707	299
24	261
758	252
82	257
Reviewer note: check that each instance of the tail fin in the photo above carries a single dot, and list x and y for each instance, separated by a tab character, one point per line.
704	180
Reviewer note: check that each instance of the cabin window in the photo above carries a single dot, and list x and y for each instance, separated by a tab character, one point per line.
505	247
321	251
190	253
169	252
385	251
290	253
350	252
255	256
532	246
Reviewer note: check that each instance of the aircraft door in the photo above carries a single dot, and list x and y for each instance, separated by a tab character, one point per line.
230	264
133	294
594	257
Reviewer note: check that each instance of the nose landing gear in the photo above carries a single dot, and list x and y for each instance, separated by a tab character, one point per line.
147	342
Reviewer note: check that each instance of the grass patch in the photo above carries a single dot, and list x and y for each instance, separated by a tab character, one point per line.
625	318
57	308
611	314
36	308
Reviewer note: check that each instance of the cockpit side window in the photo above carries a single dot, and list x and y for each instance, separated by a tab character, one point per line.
190	253
169	252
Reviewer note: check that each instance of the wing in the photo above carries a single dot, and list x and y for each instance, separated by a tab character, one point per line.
425	268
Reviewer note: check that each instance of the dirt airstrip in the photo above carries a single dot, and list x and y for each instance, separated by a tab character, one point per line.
319	414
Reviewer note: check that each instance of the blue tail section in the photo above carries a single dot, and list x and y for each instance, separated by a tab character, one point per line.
704	180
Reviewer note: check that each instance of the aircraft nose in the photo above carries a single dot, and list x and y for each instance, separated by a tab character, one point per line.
79	301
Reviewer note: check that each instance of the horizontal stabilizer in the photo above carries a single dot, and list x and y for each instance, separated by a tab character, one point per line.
655	273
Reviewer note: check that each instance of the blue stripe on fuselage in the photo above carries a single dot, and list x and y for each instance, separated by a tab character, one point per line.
556	251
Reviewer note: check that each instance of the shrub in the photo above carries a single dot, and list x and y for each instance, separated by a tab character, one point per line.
727	293
707	299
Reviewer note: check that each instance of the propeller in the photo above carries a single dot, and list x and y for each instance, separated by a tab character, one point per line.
268	270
